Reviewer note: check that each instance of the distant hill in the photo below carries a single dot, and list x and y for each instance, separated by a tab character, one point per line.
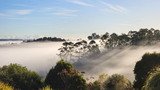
11	39
52	39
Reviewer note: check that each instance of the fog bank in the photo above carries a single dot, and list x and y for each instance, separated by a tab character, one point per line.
117	61
39	57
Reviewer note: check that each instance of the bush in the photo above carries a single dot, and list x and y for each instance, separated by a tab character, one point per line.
143	68
5	86
117	82
64	77
153	81
20	77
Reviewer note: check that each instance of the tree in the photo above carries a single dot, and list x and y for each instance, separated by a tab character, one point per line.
20	77
66	50
105	36
64	77
123	40
5	86
117	82
93	49
95	86
89	37
144	66
98	84
112	41
93	36
153	79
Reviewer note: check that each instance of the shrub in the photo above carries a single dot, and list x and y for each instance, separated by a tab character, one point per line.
20	77
5	86
64	77
143	68
117	82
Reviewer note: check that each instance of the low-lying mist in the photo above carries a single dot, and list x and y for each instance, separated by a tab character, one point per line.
117	61
40	57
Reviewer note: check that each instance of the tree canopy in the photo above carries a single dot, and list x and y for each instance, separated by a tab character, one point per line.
117	82
153	79
64	77
4	86
144	66
20	77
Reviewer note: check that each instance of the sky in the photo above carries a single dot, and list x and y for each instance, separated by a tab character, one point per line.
75	18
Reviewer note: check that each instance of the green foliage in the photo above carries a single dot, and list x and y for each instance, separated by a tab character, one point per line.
153	80
117	82
95	86
143	68
98	84
102	78
64	77
141	37
47	88
5	86
20	77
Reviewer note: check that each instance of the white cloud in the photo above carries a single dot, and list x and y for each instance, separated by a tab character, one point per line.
80	2
114	8
65	12
23	12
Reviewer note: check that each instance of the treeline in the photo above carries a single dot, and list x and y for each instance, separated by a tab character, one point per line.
54	39
65	77
11	39
91	48
141	37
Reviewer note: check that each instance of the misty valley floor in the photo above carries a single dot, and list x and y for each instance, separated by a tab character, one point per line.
41	57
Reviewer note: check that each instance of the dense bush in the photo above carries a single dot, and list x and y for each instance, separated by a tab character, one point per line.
20	77
117	82
5	86
64	77
153	80
143	68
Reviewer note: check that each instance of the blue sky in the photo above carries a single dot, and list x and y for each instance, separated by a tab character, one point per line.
75	18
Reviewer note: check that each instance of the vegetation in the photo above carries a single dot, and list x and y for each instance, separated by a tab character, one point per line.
5	86
80	49
117	82
95	86
83	49
141	37
98	84
144	66
20	77
47	88
94	36
152	81
64	77
55	39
